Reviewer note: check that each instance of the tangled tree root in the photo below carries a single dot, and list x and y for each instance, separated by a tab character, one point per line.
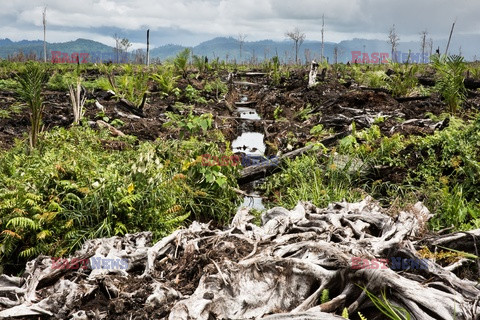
276	271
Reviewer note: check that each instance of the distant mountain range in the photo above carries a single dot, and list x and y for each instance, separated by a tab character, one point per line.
229	48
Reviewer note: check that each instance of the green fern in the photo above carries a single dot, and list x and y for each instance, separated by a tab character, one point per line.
44	234
175	221
361	316
32	252
345	313
120	229
130	199
23	222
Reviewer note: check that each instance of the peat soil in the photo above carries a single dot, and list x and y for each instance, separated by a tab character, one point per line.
288	111
330	103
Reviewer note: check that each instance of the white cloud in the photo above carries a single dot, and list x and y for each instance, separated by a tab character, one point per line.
259	19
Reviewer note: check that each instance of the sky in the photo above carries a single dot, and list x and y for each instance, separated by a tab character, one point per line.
190	22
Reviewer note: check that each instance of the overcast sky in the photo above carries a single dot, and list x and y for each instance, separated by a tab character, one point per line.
189	22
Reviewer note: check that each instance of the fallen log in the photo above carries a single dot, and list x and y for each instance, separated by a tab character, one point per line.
245	103
246	83
114	131
267	168
384	90
133	108
415	98
470	83
251	74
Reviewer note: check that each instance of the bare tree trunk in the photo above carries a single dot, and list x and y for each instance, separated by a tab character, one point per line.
449	38
424	44
393	40
241	42
148	47
323	44
45	35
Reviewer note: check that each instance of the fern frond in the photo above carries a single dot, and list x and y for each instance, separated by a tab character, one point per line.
20	211
120	229
177	220
47	216
345	313
361	316
69	224
22	222
176	208
44	234
12	234
130	199
31	252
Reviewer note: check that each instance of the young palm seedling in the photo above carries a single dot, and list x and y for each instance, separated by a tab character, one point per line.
450	83
32	81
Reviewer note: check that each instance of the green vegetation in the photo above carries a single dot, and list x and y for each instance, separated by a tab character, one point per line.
132	85
450	71
389	310
181	62
32	81
74	184
73	188
166	81
442	168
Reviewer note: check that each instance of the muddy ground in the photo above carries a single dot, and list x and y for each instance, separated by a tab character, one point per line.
330	103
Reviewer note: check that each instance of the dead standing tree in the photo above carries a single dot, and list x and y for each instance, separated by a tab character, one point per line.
125	43
423	44
393	40
44	16
241	41
323	43
117	45
297	37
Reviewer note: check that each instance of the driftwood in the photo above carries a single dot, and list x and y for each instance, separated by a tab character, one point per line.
276	271
267	168
114	131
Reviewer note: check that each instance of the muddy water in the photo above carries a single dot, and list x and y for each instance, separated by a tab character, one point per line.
251	144
248	113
